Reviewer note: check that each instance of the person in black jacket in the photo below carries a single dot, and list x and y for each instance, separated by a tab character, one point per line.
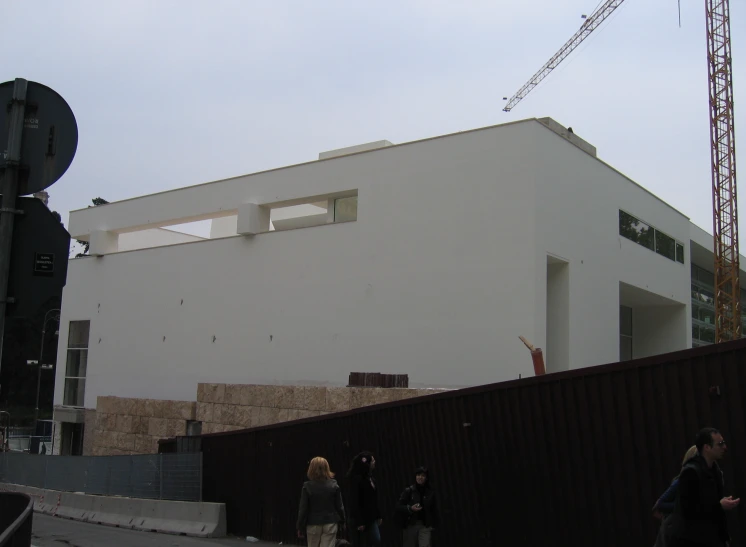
417	511
698	519
321	507
364	515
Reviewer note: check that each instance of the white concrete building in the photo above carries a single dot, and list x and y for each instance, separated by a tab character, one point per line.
427	258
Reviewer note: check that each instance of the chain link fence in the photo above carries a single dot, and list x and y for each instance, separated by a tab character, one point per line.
153	476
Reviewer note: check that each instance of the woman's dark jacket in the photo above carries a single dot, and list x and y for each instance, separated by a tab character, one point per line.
320	503
362	504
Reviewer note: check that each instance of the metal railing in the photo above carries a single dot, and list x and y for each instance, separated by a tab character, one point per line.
153	476
16	515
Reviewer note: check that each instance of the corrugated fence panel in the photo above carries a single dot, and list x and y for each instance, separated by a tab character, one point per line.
575	458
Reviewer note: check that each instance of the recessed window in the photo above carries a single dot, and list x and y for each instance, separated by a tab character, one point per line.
707	334
703	307
77	363
646	235
665	245
636	230
706	316
708	297
345	209
679	253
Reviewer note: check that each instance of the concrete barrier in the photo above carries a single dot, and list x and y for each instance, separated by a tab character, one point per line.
189	518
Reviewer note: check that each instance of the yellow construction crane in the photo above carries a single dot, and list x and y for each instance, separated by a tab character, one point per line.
722	152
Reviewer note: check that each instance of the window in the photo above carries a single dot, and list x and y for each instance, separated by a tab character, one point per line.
703	307
703	276
708	278
636	230
707	316
345	209
695	292
708	297
643	234
77	363
679	253
665	245
707	334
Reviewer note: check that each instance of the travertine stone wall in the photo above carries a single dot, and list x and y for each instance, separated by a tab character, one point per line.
89	432
228	407
57	438
133	426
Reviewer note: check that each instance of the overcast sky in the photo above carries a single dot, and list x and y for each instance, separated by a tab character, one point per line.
175	93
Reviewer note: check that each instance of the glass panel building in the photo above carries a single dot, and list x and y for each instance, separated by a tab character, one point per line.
703	307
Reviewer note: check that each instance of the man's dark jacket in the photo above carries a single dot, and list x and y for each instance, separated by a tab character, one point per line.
698	517
412	495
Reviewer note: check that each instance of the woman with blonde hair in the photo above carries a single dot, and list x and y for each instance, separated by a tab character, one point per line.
321	508
665	504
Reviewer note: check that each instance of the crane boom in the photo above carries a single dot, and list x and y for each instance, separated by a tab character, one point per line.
723	155
590	24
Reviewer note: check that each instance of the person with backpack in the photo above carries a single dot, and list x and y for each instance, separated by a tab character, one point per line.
698	518
664	507
417	511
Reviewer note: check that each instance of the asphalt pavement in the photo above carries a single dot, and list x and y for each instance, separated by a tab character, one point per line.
58	532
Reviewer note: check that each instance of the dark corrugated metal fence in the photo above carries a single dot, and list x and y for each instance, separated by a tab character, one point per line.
575	458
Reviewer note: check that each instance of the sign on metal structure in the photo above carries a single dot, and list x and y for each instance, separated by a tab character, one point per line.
38	139
49	137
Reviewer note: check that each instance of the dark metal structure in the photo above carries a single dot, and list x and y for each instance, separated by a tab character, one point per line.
37	276
573	458
38	139
376	379
16	516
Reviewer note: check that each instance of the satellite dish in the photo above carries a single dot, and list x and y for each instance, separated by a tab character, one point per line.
50	136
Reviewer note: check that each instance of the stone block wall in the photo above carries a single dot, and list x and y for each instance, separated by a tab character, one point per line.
133	426
229	407
89	432
57	438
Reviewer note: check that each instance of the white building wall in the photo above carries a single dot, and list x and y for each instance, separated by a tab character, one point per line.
578	199
658	330
223	227
156	237
436	278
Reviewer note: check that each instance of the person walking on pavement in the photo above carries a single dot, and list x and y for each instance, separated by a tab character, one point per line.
321	508
665	504
364	514
698	518
417	511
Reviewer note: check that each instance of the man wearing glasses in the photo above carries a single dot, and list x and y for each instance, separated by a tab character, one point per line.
699	513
